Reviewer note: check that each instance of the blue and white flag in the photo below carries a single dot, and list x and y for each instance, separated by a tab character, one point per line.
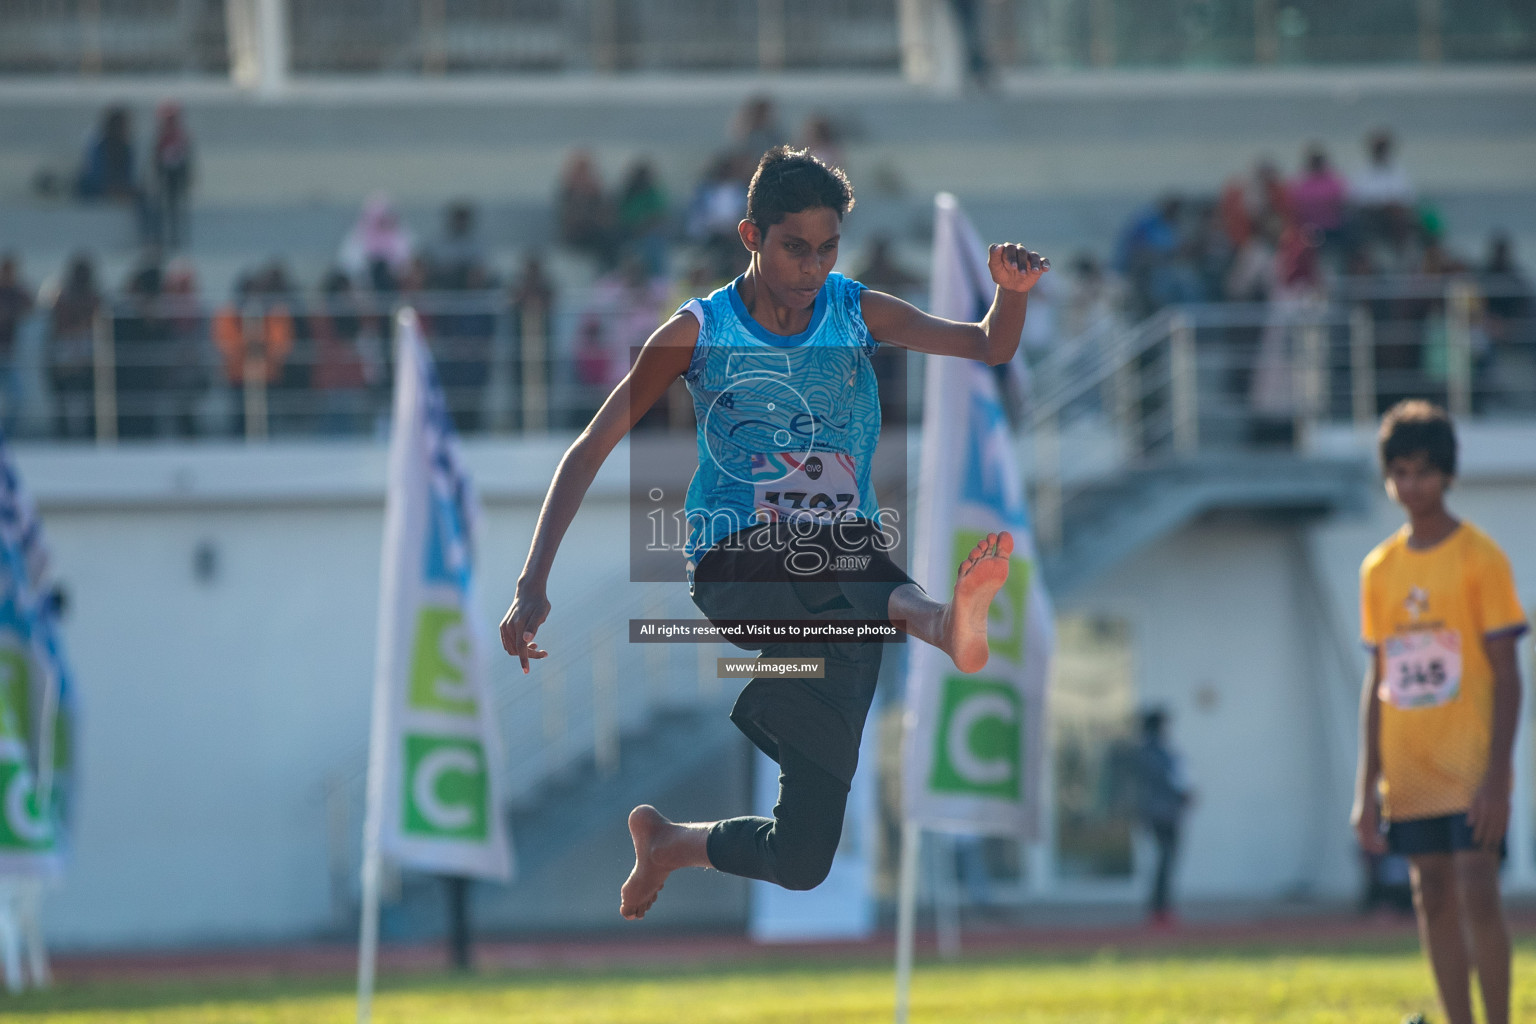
975	744
434	765
37	703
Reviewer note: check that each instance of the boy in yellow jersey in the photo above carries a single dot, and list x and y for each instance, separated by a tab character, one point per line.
1441	618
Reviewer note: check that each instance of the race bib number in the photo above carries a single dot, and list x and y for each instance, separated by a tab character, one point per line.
1422	669
818	485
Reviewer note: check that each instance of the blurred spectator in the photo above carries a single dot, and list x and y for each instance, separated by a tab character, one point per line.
1395	245
1252	274
1154	255
1296	290
754	130
345	356
1383	182
458	255
1163	795
1093	298
182	409
717	206
623	309
1508	320
1508	288
643	216
461	337
978	63
288	398
378	249
1208	253
71	344
1382	194
1248	200
533	288
142	337
880	271
1439	267
1251	279
109	171
532	298
820	138
254	335
1316	197
172	161
586	218
16	299
1440	261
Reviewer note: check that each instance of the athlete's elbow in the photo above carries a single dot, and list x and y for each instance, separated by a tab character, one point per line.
586	454
998	355
805	876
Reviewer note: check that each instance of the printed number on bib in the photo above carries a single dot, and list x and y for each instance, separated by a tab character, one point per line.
1422	669
817	485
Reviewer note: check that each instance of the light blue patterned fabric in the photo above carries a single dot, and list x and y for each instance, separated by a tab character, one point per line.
787	424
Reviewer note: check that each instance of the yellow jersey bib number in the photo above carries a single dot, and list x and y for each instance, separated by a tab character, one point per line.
1421	669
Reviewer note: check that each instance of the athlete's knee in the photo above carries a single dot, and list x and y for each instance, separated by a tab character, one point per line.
1477	879
1434	884
805	860
806	870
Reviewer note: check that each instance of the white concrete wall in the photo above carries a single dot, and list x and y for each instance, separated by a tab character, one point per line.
213	713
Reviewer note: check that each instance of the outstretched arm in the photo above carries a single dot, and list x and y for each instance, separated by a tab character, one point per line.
664	358
993	341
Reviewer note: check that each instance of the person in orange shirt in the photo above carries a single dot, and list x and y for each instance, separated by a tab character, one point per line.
1440	616
262	360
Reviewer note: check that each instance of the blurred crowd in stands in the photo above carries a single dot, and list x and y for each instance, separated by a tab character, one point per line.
1295	243
184	362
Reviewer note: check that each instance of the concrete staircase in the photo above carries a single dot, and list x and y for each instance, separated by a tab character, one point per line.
1111	519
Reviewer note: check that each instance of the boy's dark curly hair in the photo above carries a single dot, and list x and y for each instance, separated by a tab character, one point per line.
790	180
1412	427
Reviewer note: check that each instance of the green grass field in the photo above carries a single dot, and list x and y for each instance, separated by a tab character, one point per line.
1351	985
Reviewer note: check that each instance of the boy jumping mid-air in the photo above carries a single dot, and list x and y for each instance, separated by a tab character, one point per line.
1439	612
778	364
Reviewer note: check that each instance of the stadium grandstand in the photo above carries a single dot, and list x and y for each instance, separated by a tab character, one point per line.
1268	221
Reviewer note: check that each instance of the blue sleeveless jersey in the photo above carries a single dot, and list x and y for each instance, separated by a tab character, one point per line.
787	425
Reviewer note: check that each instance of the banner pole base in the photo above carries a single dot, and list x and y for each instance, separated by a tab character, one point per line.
368	937
906	914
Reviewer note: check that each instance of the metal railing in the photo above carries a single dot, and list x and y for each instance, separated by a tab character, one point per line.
1194	379
90	37
294	367
432	37
297	367
1059	34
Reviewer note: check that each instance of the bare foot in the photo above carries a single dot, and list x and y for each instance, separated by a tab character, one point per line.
965	617
661	847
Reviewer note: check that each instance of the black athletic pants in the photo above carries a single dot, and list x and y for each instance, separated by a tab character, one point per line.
811	727
794	848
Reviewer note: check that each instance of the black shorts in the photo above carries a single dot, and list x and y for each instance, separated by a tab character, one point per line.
821	718
1449	833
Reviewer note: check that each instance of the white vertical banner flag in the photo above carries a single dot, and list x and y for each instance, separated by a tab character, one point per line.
975	743
37	704
434	782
